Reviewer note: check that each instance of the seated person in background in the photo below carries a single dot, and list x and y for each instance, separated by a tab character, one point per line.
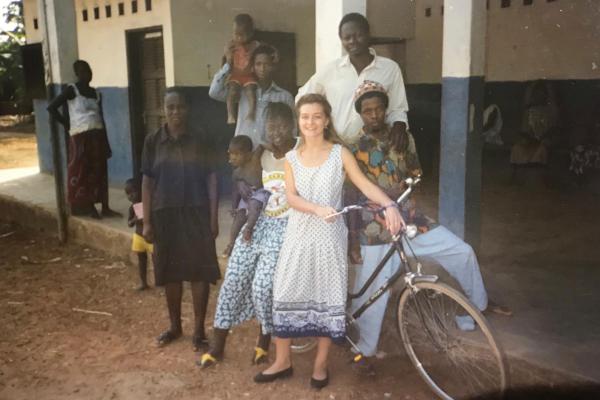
246	205
540	119
584	144
238	55
387	167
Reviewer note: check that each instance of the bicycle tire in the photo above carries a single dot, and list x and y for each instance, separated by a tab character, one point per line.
303	345
453	367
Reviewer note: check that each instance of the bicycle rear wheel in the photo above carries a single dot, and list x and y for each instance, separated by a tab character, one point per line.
456	363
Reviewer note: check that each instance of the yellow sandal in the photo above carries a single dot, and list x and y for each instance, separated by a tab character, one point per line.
207	360
260	356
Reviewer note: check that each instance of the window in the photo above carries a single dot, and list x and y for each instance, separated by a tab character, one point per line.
121	8
504	3
133	6
35	23
84	15
428	12
527	2
96	12
148	5
108	11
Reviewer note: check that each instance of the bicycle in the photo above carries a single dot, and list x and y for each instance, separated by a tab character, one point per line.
453	362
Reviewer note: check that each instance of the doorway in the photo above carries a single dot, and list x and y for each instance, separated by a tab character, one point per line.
146	69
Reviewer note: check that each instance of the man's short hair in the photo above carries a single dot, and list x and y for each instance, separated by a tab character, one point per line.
355	17
267	49
242	143
244	20
80	64
178	91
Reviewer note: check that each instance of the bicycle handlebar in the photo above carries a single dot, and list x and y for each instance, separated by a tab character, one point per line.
410	183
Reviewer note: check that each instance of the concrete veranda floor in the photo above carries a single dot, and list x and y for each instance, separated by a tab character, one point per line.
539	254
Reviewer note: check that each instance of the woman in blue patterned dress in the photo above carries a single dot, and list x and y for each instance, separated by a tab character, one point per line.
247	290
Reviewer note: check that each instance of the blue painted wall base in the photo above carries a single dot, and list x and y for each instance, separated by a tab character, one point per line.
460	157
115	102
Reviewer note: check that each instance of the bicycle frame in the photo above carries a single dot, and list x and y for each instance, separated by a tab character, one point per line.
410	275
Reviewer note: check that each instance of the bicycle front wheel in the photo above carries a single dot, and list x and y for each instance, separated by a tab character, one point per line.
450	343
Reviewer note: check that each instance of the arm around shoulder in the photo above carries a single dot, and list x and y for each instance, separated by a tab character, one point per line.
218	86
313	85
398	104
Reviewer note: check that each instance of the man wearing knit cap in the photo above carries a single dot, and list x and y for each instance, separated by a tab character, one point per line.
388	167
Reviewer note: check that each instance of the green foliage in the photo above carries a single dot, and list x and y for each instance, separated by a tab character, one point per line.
12	84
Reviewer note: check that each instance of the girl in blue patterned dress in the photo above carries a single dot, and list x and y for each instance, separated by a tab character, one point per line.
310	284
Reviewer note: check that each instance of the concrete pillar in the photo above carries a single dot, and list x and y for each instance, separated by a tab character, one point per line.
59	44
463	67
328	14
59	28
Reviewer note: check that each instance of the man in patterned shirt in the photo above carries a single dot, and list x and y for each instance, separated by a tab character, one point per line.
387	167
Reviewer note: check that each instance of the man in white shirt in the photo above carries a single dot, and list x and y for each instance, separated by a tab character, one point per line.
339	80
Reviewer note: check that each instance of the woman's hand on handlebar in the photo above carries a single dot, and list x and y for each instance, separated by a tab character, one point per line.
393	219
325	212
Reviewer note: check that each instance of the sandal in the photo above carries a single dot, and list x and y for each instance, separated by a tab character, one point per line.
167	337
207	360
200	343
498	309
261	356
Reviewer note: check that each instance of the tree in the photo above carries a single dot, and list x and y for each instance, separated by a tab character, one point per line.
12	83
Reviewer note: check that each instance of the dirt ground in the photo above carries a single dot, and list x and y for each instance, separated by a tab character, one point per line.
49	351
18	146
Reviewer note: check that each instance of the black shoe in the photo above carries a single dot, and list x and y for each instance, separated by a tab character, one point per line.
266	378
319	383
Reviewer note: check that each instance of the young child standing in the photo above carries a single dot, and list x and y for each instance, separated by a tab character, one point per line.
248	197
238	55
139	245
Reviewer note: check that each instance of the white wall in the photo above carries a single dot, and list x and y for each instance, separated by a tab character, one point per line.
102	41
424	51
203	28
556	40
392	18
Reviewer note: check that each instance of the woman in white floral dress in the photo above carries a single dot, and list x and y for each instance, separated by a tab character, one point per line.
309	292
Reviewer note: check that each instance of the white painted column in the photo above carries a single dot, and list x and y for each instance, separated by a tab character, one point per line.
58	23
59	44
328	14
464	41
